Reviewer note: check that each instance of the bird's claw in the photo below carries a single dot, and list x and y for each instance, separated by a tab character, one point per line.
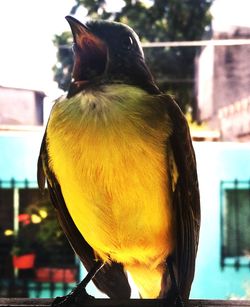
179	302
173	303
71	300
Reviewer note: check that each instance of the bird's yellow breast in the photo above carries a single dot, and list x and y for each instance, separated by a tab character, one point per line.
108	152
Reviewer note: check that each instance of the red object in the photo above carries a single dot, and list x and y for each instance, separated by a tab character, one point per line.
55	275
24	218
24	262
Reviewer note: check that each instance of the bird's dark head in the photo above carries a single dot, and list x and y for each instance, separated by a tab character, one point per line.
107	52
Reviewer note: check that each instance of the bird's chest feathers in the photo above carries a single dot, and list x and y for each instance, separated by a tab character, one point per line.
109	158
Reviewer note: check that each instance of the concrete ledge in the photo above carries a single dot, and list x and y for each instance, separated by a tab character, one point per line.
27	302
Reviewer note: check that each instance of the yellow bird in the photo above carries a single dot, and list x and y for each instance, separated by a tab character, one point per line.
121	172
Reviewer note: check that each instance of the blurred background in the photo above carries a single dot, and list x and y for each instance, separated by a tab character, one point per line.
199	52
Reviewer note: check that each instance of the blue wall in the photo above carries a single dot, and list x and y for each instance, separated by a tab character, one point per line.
18	155
216	162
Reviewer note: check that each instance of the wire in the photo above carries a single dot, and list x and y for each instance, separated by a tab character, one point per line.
211	42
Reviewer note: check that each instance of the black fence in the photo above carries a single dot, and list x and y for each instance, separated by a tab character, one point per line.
28	221
19	287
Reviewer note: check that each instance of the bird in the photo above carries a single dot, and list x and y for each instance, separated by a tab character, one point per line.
121	171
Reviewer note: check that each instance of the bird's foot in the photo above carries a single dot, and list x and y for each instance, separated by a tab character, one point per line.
75	298
78	296
174	295
177	302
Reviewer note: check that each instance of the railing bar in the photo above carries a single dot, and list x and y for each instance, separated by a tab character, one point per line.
233	181
13	182
221	226
242	265
26	183
237	234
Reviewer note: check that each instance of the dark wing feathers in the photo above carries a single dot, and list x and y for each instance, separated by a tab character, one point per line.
111	279
186	198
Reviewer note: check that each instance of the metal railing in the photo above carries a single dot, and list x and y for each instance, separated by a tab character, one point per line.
30	282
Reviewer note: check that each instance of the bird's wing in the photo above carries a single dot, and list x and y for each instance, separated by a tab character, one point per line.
111	279
186	200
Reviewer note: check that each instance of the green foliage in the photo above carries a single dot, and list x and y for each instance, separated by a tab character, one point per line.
49	234
24	242
51	242
40	233
63	68
172	20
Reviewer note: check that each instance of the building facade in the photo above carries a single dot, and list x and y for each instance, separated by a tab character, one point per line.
223	86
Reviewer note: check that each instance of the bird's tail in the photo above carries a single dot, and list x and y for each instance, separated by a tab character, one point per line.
147	279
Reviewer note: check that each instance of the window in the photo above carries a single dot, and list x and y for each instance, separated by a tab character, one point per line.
235	224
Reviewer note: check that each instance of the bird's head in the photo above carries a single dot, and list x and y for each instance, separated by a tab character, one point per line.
107	52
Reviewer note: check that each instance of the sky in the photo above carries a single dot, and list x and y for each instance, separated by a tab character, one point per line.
27	52
27	28
228	13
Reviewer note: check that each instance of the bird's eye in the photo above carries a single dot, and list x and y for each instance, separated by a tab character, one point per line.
127	42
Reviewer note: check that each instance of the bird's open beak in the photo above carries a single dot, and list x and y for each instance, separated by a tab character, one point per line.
90	53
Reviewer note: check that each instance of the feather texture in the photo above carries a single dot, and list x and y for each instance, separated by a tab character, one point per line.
114	180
